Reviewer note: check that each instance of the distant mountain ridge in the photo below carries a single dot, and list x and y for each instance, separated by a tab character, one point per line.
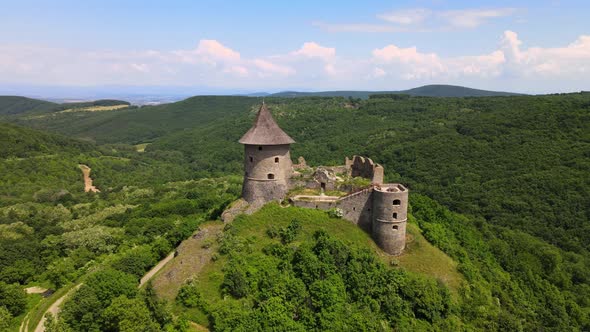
433	90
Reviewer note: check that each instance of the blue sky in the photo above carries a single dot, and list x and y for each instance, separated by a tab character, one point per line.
525	46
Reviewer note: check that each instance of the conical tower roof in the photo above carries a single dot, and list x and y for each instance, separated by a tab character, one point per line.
265	131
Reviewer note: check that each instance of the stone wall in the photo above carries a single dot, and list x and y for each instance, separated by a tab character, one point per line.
357	208
260	161
315	204
366	168
267	170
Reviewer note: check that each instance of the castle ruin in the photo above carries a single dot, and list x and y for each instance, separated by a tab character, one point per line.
269	175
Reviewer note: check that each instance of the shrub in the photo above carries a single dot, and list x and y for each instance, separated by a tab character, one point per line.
289	233
189	295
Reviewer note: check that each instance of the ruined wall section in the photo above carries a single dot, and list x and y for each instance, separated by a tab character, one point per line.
356	207
366	168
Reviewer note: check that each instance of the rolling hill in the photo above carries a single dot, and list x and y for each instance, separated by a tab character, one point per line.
436	90
12	105
15	106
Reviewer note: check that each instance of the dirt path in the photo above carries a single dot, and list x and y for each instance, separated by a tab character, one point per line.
24	326
174	274
193	254
155	269
53	309
87	179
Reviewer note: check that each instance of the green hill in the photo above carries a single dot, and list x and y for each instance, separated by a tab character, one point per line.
14	107
442	90
283	254
138	125
11	105
435	90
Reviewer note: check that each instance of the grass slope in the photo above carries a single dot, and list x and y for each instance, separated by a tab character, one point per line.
421	257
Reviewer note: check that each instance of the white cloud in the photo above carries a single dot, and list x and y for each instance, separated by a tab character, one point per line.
378	72
471	18
510	44
509	62
406	16
421	20
215	50
482	66
237	70
140	67
312	49
268	67
574	59
357	27
312	66
410	63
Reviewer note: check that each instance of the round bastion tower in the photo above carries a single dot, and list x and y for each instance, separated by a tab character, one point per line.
267	160
390	214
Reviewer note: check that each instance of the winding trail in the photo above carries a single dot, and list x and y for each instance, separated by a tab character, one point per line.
88	187
53	309
156	269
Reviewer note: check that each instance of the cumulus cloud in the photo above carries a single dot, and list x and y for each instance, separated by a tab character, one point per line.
311	50
311	66
215	50
573	59
509	61
410	63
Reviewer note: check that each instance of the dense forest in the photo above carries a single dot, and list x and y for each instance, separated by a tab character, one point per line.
499	184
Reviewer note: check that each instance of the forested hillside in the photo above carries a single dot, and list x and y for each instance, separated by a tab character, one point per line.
10	105
137	125
54	235
433	90
500	184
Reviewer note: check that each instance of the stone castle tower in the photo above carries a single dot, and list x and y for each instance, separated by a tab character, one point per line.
389	217
267	160
379	208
